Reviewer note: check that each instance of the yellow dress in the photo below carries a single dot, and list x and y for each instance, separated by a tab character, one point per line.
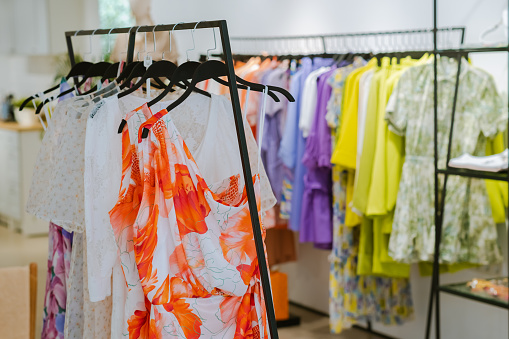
497	190
361	189
373	251
344	153
355	298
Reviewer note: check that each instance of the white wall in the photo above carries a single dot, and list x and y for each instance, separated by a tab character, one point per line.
28	73
290	17
309	276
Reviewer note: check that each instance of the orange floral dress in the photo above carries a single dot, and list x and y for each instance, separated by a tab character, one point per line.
187	251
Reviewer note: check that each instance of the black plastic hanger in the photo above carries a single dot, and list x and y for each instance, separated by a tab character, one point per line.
139	71
212	69
187	69
110	73
159	69
128	68
181	74
95	70
77	70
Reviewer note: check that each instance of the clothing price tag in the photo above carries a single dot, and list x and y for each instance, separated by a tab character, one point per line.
148	60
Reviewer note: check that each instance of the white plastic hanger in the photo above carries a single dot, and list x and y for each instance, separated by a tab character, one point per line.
147	62
263	110
501	23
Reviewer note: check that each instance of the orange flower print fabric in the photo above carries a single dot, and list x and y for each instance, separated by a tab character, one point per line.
188	256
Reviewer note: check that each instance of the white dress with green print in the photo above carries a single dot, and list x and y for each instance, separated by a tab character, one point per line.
469	232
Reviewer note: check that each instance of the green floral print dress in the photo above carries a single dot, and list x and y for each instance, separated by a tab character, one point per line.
469	232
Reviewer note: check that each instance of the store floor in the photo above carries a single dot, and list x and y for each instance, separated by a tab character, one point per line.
18	250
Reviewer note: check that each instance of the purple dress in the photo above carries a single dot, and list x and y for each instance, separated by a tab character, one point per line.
316	216
272	131
293	143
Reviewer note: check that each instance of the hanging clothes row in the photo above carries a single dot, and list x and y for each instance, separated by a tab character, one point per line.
352	169
151	233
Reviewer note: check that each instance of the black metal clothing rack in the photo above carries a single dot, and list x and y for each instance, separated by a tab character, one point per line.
327	51
241	137
440	192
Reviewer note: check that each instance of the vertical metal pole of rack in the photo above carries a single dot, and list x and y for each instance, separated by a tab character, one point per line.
131	45
507	211
434	279
440	197
438	219
257	232
70	50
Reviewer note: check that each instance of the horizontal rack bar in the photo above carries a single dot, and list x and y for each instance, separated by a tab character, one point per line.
394	53
452	289
474	174
411	31
146	29
486	49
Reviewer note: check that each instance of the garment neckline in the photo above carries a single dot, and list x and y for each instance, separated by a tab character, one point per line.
450	66
170	125
164	113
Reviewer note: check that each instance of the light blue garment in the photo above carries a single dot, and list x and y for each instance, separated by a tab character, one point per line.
288	146
64	86
293	144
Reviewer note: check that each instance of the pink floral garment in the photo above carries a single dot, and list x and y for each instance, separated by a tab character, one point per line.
59	256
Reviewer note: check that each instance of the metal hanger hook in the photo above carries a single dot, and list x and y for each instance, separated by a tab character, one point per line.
340	44
135	33
414	42
109	42
215	43
379	43
449	40
194	45
394	43
171	34
308	48
355	44
90	43
154	37
76	33
127	42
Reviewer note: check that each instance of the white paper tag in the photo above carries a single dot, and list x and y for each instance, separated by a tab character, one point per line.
148	61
